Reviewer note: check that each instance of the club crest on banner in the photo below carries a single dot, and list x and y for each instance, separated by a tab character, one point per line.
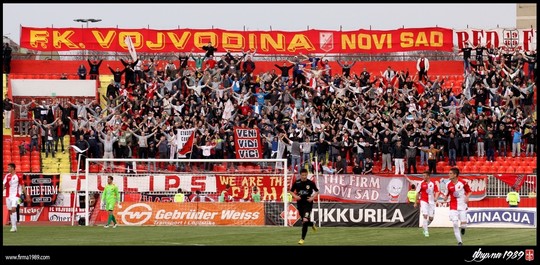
326	40
511	38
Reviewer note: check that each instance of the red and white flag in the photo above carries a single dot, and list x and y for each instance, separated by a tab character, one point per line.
185	141
131	48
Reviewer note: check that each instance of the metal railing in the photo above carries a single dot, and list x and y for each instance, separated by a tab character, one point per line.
113	56
498	188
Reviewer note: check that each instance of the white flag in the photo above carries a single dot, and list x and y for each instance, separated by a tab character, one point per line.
281	149
131	48
227	112
184	141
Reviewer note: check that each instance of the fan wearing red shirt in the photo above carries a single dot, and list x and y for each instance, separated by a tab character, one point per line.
459	192
245	109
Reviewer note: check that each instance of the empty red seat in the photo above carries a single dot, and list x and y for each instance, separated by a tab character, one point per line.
220	168
25	168
35	168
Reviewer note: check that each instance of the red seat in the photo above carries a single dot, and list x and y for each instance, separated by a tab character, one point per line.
499	169
486	169
241	169
446	168
25	168
473	169
520	169
171	168
530	159
220	168
141	167
35	169
509	170
94	168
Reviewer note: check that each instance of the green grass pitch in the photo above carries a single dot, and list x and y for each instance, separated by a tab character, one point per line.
259	236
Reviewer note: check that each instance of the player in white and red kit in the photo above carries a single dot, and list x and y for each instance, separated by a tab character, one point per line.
459	192
13	185
427	194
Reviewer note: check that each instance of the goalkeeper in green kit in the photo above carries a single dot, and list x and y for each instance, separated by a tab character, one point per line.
109	198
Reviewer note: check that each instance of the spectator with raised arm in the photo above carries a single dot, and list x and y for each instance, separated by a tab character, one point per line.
24	115
284	71
117	75
94	68
108	140
346	67
210	50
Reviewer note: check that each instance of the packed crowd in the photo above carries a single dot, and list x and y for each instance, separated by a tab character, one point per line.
339	115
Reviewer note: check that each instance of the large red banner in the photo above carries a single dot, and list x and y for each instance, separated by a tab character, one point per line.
247	142
514	181
525	39
270	186
264	42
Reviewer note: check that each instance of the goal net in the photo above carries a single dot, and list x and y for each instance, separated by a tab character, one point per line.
168	192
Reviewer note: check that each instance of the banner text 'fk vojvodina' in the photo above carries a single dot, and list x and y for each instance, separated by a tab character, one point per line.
264	42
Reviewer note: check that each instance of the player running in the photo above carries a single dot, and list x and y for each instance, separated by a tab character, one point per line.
427	194
459	192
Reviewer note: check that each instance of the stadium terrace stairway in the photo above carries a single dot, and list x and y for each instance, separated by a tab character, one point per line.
104	81
60	163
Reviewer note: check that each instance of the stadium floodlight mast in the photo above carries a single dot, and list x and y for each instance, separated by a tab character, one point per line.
80	153
87	20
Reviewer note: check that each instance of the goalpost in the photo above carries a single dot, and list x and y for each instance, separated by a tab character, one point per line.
147	188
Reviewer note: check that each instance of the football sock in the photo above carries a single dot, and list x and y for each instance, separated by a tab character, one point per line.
305	226
457	233
425	223
13	219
